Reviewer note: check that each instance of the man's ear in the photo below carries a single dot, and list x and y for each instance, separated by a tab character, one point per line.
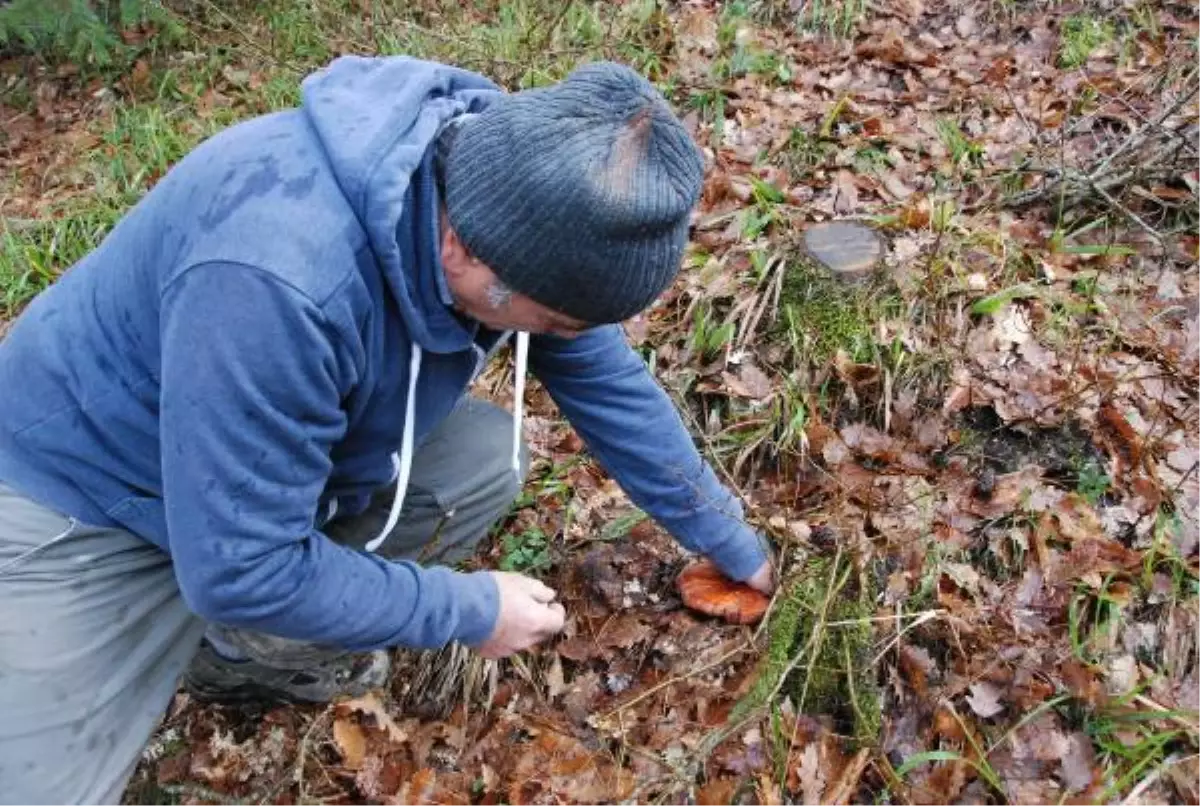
454	254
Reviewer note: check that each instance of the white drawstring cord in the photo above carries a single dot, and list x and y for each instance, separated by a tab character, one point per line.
519	399
403	465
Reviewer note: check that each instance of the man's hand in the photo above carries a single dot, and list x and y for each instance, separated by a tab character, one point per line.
763	579
528	614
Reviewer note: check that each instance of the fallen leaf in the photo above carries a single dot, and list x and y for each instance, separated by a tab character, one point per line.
717	792
421	788
812	778
370	705
895	186
704	588
917	666
1183	458
845	193
750	382
1077	762
559	764
555	684
984	699
351	742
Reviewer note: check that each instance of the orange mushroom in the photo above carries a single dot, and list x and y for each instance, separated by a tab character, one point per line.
704	588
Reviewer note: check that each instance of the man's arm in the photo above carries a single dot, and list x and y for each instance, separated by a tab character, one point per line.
252	378
633	428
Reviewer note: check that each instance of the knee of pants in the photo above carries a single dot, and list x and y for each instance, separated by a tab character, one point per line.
476	442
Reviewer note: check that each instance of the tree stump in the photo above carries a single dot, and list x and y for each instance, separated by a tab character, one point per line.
850	251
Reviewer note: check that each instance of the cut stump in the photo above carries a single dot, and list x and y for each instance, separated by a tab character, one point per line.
850	251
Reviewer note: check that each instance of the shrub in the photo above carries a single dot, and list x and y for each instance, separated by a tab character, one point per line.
94	35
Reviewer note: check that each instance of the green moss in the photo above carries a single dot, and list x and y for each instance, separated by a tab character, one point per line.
820	315
835	675
781	636
840	680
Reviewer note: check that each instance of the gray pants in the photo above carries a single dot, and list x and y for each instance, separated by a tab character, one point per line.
94	634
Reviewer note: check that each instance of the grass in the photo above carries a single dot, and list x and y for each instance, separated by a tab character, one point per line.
32	252
256	61
1081	36
833	18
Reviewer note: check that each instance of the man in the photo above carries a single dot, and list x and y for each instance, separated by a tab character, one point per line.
235	439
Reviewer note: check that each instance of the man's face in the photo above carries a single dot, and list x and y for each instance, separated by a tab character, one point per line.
479	294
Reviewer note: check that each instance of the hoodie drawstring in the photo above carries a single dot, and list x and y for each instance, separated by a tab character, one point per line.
519	400
402	464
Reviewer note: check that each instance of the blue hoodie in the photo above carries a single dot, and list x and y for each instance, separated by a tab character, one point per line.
241	354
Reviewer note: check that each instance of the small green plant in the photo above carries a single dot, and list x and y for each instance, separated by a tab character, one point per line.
966	155
836	18
1130	743
526	552
709	338
1094	619
804	152
1092	482
1081	35
871	159
85	33
711	106
33	255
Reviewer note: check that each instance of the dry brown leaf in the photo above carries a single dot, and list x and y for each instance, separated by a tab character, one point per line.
1077	762
555	684
917	666
421	788
626	631
369	705
812	777
1183	458
559	764
717	792
351	742
845	193
984	699
750	382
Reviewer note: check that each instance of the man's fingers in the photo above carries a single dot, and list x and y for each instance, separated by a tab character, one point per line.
558	618
541	592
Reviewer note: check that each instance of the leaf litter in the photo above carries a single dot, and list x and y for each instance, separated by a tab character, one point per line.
1000	450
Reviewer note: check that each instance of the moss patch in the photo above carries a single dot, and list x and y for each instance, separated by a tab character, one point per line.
821	628
820	315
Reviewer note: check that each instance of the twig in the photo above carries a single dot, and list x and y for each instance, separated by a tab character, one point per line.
928	615
562	14
249	41
1141	135
1128	213
302	754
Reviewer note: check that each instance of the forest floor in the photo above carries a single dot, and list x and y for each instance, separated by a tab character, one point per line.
979	464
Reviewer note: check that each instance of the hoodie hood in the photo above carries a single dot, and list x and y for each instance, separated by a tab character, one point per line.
376	119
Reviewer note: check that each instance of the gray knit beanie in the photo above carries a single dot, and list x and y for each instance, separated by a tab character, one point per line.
578	194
